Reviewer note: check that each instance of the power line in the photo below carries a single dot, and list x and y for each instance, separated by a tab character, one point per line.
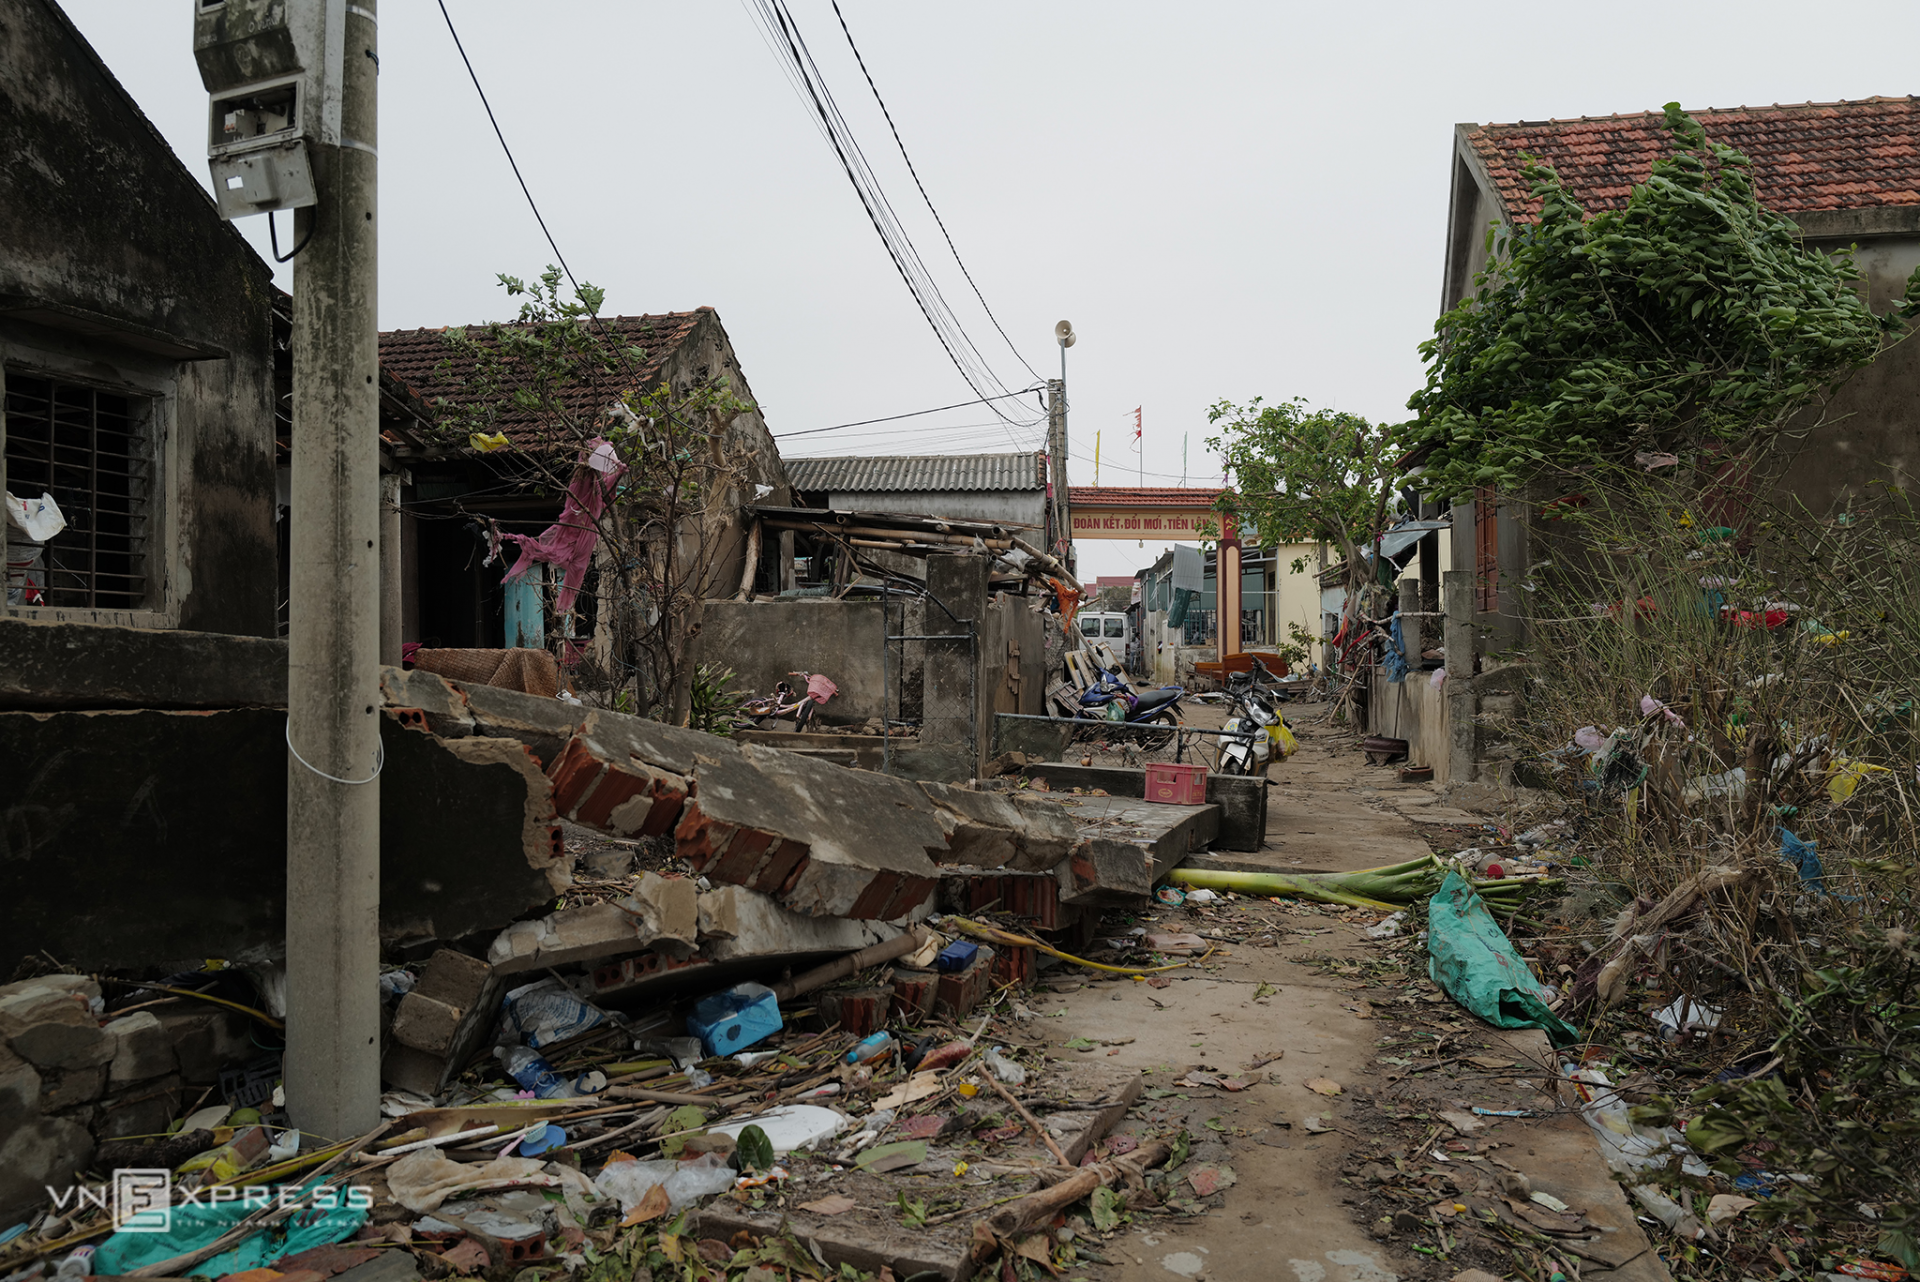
942	223
909	414
791	48
524	190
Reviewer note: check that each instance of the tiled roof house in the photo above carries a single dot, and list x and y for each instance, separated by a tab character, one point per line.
449	598
1847	172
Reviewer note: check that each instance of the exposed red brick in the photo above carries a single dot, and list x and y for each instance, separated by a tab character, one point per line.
913	994
779	866
912	893
698	839
573	773
1013	964
878	894
742	857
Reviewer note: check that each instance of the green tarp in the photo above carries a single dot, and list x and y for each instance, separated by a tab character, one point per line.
1473	960
195	1224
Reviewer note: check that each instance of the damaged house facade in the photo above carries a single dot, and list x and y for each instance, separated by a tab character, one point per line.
1845	172
135	350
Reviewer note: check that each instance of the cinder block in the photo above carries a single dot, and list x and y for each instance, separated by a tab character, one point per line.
142	1049
48	1022
408	1069
453	978
75	1086
426	1024
19	1091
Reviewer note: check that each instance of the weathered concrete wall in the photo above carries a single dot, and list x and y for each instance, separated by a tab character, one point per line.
115	271
1873	434
147	838
76	665
1412	710
764	641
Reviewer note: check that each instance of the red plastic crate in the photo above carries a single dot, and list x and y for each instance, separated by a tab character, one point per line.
1177	785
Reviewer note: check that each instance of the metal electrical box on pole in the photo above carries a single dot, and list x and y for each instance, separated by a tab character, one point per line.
292	107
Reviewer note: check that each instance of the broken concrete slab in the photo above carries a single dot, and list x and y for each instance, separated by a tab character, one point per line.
739	923
1242	798
1127	847
147	802
474	818
662	913
999	830
623	775
824	840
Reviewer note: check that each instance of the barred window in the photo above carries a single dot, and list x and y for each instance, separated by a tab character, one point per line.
91	450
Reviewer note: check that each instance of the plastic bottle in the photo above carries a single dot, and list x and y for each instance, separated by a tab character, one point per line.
531	1070
77	1265
872	1047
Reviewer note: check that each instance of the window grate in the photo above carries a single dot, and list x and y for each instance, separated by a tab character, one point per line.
90	449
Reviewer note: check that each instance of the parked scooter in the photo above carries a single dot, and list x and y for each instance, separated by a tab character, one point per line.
1256	714
1112	699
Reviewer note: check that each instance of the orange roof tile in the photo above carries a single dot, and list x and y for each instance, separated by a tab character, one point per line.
1806	157
421	361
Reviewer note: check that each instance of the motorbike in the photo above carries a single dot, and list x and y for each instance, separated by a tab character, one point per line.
1256	714
1111	699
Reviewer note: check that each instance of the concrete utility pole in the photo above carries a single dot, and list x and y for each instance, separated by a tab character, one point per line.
332	1063
1057	444
1057	460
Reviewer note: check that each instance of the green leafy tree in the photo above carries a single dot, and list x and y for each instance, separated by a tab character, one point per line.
1692	318
1303	475
556	378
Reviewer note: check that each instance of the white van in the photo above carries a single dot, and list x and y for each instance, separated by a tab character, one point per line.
1115	629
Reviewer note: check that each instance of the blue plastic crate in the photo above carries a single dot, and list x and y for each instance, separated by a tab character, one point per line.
731	1021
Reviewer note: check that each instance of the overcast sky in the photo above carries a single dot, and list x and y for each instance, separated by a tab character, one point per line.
1228	200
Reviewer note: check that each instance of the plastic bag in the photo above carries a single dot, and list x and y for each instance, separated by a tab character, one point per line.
1627	1146
1473	960
1003	1068
544	1013
685	1181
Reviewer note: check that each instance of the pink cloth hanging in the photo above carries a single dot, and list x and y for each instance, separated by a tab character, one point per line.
567	545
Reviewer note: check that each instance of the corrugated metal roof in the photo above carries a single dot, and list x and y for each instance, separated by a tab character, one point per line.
917	472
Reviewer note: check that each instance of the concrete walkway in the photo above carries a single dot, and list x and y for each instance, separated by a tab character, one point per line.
1296	1209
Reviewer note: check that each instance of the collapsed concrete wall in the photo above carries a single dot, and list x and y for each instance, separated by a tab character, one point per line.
141	837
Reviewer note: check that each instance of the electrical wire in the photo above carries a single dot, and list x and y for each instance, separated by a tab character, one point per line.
518	177
942	223
909	414
797	62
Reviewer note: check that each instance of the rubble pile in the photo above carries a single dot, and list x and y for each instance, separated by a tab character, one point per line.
786	1009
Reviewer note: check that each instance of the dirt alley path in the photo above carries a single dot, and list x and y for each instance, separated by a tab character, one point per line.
1288	1212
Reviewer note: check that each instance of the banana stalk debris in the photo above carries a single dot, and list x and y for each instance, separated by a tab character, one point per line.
1385	889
